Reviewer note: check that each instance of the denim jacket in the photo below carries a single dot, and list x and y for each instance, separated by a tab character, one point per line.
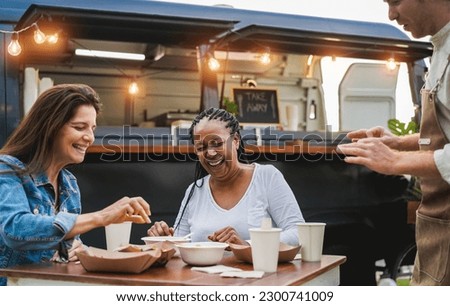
30	227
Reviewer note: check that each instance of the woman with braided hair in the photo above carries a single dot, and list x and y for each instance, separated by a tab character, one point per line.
229	195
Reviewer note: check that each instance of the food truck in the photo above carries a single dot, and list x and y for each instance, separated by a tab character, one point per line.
273	70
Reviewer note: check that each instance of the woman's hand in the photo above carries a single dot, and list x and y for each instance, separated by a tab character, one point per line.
160	229
134	209
71	255
228	235
77	246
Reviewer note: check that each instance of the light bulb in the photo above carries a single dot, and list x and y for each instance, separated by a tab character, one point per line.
53	39
265	58
391	64
133	89
213	64
14	47
39	36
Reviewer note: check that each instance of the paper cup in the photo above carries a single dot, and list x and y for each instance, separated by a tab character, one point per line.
117	235
265	248
310	235
292	115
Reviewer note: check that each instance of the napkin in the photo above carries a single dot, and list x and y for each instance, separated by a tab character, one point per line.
216	269
243	274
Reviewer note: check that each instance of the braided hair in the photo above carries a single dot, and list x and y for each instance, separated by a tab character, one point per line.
232	123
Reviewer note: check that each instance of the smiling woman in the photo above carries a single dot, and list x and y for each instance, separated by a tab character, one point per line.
229	195
75	137
40	199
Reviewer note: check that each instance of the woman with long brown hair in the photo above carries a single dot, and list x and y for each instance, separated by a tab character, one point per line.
40	200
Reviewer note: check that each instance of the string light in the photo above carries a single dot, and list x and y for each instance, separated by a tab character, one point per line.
213	63
265	57
39	36
133	89
14	47
391	64
53	38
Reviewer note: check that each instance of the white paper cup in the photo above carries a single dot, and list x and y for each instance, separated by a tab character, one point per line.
310	236
117	235
292	115
265	248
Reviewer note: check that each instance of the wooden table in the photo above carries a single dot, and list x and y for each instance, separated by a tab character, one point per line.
177	273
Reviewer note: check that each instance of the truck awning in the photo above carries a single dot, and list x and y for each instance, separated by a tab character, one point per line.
183	25
126	21
284	40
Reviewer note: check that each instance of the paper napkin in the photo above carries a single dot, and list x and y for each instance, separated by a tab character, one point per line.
216	269
243	274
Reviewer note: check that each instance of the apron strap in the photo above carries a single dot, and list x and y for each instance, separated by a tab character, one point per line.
439	82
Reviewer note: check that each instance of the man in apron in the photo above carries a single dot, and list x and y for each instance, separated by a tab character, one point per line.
380	151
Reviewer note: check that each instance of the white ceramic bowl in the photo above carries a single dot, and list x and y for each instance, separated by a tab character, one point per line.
202	253
154	239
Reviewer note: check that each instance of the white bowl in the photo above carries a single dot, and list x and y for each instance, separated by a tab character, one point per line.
202	253
154	239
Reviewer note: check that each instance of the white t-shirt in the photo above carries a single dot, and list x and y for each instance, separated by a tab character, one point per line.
268	195
441	52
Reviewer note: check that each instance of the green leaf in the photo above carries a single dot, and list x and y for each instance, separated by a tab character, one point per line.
394	126
230	106
411	128
398	128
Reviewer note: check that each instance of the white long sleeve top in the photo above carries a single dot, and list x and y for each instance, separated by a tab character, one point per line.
267	193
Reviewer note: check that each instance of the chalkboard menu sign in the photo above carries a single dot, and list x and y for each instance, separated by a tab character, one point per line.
257	105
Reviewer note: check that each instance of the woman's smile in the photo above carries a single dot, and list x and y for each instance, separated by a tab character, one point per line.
214	163
81	148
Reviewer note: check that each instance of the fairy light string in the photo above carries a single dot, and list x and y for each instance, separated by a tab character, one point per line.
14	47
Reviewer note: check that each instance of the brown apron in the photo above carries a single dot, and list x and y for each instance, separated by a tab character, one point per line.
432	264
